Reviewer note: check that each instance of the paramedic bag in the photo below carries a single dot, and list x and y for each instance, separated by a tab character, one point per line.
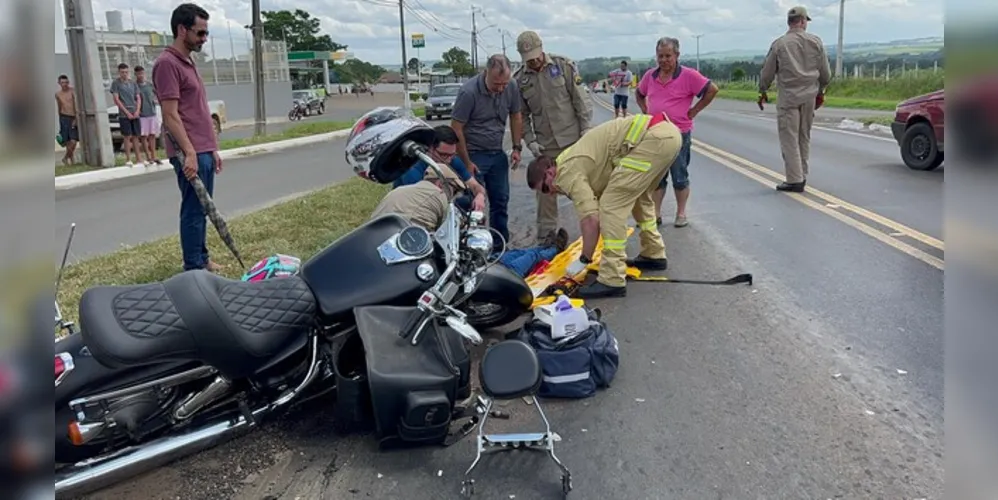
574	367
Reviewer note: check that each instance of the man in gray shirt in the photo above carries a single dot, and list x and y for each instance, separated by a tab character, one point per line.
621	80
126	96
483	106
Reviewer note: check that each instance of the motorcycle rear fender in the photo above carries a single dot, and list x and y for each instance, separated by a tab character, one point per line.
502	286
91	377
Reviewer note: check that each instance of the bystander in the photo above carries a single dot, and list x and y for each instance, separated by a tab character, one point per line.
149	125
69	133
126	95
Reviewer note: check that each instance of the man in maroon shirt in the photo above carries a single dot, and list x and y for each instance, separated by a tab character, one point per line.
189	127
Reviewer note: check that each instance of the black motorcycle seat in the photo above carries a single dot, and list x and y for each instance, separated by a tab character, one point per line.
509	370
234	326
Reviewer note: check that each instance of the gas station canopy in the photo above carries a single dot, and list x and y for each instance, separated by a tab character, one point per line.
317	55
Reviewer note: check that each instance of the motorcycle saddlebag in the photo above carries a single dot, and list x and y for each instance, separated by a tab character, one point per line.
413	388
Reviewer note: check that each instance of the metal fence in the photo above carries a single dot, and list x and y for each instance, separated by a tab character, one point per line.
214	62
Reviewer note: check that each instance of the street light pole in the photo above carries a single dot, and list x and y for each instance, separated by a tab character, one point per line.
838	49
405	62
698	51
260	96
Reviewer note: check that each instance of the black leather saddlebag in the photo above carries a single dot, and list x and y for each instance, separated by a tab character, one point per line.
413	388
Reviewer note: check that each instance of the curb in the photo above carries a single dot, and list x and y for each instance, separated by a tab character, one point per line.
73	181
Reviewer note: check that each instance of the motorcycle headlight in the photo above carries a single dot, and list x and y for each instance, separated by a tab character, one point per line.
480	241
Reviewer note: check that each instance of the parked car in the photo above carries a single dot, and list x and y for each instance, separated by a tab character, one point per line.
918	128
309	100
217	116
441	100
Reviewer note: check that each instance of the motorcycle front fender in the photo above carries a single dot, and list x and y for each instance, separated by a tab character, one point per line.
502	286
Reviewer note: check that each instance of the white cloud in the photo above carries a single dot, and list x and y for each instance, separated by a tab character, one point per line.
577	28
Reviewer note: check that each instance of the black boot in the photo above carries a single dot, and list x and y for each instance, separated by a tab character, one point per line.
598	290
793	187
561	240
648	264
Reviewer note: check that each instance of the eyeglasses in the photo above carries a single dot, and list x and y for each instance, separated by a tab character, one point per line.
201	33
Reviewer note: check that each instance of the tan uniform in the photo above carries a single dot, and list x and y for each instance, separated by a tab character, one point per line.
555	115
798	63
612	171
423	203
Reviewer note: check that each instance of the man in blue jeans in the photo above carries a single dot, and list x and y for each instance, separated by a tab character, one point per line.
483	106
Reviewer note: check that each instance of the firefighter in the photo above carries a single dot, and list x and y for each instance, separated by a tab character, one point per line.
610	174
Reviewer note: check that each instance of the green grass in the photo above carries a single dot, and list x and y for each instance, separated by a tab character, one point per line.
854	93
299	227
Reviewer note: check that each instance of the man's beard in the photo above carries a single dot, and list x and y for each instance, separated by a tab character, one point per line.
195	47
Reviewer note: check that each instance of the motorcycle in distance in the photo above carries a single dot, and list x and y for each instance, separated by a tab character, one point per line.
297	111
162	370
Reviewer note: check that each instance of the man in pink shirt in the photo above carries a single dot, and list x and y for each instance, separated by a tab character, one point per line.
670	89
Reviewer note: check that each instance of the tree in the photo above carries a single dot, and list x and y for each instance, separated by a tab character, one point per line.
358	72
457	60
299	29
414	65
738	74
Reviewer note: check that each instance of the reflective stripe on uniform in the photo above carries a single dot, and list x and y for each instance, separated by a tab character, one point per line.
648	225
637	128
614	244
562	155
631	163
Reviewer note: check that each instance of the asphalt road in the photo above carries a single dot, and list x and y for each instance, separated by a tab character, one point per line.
823	380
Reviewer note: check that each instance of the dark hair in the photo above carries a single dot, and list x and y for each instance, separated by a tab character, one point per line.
63	77
138	68
794	19
537	170
123	66
185	15
444	134
624	63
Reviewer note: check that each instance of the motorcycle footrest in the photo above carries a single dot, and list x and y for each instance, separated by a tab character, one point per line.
516	440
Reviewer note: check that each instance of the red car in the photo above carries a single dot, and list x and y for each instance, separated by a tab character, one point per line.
918	128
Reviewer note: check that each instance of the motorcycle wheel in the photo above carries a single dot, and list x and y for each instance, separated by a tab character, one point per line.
486	315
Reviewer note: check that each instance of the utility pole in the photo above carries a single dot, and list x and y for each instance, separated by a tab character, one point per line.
698	51
405	62
838	49
474	40
502	34
88	83
260	96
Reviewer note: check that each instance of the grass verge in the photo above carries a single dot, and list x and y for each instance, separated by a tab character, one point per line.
830	101
301	130
300	227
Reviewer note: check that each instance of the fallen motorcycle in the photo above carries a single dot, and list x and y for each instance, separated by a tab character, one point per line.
162	370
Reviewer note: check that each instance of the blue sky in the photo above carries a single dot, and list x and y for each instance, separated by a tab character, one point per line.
576	28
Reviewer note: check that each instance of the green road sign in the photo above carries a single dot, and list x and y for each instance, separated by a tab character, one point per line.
418	41
306	55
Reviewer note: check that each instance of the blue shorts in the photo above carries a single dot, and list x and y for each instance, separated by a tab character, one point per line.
679	171
620	101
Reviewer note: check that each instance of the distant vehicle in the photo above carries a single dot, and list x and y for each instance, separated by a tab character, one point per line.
217	116
441	100
309	101
918	128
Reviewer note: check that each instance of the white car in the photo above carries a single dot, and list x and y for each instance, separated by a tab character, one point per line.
217	115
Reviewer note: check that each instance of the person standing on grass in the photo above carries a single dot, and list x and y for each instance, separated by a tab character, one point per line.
126	95
798	63
621	80
189	128
483	106
65	101
670	88
148	121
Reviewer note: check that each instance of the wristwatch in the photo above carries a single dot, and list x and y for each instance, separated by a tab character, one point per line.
585	260
518	147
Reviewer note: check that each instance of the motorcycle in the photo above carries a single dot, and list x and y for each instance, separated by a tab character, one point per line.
297	111
162	370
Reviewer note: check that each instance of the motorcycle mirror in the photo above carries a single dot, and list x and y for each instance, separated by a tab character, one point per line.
462	327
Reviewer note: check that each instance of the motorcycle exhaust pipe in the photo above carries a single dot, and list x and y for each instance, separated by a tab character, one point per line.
96	473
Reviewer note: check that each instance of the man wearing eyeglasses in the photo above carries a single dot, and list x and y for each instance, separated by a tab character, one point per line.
611	174
189	128
444	151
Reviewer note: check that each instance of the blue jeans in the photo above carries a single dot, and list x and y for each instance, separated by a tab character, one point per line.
493	173
620	101
679	171
522	260
193	223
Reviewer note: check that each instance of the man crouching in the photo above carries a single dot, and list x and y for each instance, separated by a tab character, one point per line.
610	174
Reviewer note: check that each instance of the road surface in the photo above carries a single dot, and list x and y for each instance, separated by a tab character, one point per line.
823	380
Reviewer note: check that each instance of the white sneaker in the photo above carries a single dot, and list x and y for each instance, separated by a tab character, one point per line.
129	164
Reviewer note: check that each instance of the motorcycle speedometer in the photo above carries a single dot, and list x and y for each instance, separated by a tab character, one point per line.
414	241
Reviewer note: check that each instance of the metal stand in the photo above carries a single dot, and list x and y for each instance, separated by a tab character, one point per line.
538	441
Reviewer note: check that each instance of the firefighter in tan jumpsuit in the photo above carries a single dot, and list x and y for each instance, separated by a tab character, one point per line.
555	114
798	63
610	174
425	203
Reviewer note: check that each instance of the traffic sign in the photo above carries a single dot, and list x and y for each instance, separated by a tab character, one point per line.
418	41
